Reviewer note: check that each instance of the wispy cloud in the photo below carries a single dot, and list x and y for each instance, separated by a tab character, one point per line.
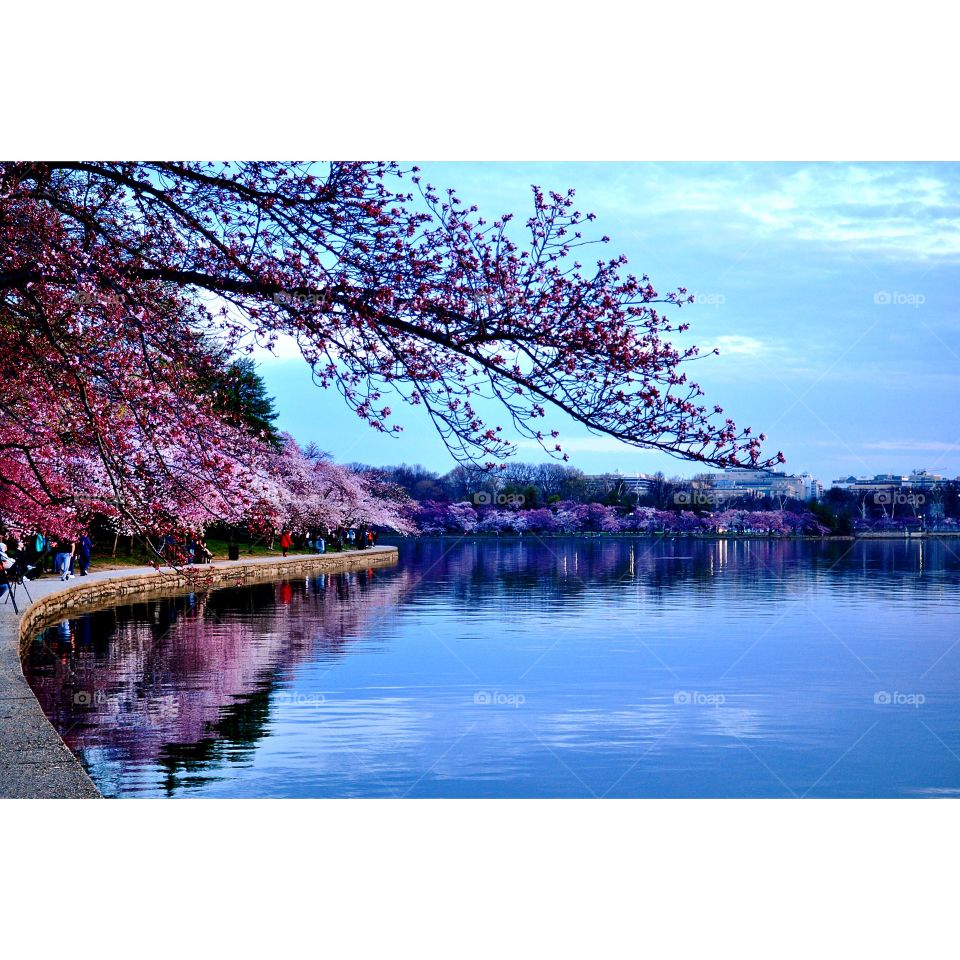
910	211
740	346
920	446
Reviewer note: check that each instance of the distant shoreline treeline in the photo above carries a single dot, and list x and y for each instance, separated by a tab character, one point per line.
670	535
528	489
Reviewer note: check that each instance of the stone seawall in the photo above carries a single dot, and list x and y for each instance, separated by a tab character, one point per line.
34	761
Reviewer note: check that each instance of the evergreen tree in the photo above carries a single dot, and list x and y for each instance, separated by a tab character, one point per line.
241	396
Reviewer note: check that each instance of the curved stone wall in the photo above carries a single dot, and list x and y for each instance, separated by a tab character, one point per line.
34	761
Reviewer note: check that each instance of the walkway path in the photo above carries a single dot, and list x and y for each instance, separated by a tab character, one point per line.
34	761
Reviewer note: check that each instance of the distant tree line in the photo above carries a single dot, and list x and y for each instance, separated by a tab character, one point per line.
535	486
524	484
895	508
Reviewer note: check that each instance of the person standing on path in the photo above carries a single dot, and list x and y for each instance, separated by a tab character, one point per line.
36	545
286	541
6	562
84	547
64	557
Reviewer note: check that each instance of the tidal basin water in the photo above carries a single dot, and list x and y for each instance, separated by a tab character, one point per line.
528	668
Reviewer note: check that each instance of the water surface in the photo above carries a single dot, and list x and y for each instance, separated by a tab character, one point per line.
526	668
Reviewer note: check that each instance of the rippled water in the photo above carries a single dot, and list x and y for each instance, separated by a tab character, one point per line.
521	668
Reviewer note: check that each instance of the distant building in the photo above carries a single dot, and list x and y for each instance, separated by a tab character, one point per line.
813	488
921	478
743	482
879	482
600	485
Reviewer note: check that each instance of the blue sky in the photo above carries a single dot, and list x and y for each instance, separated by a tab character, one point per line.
830	289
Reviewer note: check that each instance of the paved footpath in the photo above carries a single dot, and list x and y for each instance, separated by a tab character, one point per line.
34	761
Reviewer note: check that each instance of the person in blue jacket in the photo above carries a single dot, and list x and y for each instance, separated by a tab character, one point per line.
84	546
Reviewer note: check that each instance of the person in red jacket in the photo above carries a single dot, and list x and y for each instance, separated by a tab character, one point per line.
286	541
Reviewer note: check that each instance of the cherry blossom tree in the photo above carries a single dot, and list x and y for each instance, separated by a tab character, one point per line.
463	517
314	493
541	520
433	517
113	275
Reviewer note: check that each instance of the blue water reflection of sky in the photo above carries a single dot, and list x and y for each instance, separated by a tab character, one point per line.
561	668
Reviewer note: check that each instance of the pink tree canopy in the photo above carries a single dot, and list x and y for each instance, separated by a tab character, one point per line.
115	278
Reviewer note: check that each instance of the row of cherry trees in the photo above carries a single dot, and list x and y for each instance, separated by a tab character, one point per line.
261	488
307	491
569	517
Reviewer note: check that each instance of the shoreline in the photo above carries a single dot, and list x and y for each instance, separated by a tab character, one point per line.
35	763
660	535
